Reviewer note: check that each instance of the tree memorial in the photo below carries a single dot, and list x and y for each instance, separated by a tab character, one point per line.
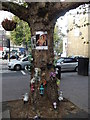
41	17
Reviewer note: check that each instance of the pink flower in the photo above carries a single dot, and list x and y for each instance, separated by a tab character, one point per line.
53	74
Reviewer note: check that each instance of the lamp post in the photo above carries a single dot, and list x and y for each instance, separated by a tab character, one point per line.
8	46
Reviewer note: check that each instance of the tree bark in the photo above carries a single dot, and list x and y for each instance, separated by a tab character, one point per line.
43	59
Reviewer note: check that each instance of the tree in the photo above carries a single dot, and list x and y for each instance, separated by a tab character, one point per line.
41	16
56	34
21	34
58	40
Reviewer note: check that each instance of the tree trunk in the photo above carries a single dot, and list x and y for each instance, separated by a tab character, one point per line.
43	60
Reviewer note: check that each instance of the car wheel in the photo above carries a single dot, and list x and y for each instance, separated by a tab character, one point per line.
17	67
76	69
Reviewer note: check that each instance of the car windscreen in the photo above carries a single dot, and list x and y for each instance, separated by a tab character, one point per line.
25	59
69	60
60	60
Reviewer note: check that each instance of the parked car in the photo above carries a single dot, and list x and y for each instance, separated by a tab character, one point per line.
67	64
14	57
19	64
77	57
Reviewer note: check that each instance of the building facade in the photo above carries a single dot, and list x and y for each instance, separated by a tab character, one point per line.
78	37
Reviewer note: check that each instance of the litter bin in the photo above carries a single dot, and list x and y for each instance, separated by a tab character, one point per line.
58	72
83	66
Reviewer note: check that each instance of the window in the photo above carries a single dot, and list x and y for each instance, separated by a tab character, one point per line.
69	60
60	60
26	59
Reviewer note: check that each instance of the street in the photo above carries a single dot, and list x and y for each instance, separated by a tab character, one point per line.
14	83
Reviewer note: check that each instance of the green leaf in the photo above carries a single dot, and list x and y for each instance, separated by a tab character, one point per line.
22	32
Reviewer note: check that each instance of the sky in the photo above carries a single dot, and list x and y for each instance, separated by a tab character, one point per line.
62	22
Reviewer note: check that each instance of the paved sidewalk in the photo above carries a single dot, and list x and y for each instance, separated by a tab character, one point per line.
75	89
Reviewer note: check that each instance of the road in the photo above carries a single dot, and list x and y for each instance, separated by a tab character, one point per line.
14	83
74	86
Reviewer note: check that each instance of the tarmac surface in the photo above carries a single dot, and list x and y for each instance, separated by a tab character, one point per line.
75	89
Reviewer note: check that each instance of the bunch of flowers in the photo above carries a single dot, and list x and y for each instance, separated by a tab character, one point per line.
53	74
8	25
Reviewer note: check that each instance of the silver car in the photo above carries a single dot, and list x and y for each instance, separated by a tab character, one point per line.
19	64
67	64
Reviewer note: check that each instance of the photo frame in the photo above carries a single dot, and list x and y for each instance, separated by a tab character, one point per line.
41	40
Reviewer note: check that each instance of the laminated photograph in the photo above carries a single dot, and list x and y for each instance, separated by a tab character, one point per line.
41	40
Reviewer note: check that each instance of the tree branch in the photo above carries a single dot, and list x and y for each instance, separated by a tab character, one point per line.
60	8
16	9
50	11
